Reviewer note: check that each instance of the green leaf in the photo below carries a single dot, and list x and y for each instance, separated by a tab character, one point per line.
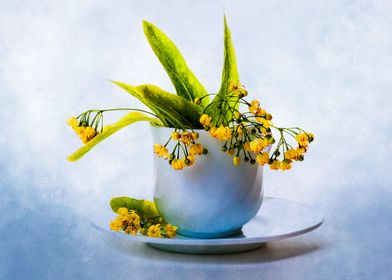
171	109
109	130
229	73
144	207
185	82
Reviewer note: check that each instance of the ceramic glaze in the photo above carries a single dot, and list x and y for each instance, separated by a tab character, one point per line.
213	198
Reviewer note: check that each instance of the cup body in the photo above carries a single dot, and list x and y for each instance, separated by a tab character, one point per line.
211	199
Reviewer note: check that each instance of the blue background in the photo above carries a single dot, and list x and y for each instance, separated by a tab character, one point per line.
324	65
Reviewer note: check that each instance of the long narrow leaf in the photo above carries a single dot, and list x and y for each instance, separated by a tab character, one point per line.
109	130
229	73
185	82
172	109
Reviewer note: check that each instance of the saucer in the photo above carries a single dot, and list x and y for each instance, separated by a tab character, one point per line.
277	219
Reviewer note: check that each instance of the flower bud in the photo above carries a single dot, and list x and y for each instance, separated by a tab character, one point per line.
205	151
197	100
252	161
268	116
236	161
224	148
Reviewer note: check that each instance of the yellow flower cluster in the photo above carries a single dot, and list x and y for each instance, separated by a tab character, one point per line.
246	135
258	145
196	149
291	154
222	133
178	164
86	133
262	158
131	223
242	134
126	220
260	114
161	151
186	145
303	139
205	120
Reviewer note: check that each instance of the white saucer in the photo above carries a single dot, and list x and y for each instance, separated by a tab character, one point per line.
277	219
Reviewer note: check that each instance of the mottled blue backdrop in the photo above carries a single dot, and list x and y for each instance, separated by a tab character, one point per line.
325	65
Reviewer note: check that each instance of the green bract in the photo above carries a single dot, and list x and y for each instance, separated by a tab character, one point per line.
145	208
178	111
171	109
185	82
229	73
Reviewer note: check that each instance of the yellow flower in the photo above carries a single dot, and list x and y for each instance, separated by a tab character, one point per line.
134	219
116	225
254	106
154	231
178	164
191	159
263	130
176	135
170	230
237	88
85	133
186	138
205	120
262	158
275	165
257	145
161	151
285	165
290	154
246	146
122	211
196	149
132	229
234	85
73	122
302	139
260	112
195	135
310	137
122	218
264	122
223	133
90	132
300	151
236	161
